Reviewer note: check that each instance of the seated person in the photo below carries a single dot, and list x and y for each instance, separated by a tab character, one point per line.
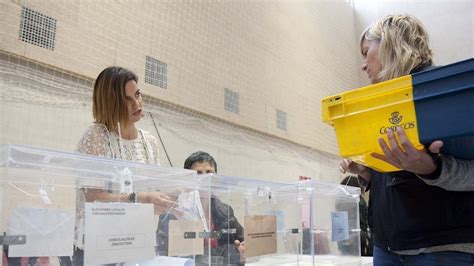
229	245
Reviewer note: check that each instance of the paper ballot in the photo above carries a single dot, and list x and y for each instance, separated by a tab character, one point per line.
340	226
49	232
119	232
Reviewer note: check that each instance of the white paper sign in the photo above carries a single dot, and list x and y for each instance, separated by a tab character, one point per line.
118	232
49	232
340	226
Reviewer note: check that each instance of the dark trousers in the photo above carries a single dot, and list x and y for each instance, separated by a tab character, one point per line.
384	257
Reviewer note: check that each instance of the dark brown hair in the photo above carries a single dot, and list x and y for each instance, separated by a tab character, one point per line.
109	102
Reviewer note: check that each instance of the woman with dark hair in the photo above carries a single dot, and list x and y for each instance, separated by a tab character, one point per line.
117	107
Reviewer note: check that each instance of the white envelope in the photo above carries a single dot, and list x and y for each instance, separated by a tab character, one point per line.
49	232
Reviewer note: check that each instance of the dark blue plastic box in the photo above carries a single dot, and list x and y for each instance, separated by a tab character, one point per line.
444	106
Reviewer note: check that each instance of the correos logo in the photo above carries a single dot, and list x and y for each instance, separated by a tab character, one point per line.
395	119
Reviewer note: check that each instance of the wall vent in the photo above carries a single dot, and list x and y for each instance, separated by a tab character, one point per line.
281	119
231	101
156	72
37	29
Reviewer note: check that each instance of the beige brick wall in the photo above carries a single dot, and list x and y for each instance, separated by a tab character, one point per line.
283	55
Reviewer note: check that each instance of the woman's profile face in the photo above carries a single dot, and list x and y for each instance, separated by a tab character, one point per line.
134	101
370	59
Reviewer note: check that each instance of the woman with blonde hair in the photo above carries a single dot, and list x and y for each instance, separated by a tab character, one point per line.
423	214
402	47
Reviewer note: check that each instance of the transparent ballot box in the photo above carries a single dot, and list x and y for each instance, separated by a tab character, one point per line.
59	208
331	233
264	216
303	223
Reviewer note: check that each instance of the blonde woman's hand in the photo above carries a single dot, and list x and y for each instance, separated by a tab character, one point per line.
348	166
402	153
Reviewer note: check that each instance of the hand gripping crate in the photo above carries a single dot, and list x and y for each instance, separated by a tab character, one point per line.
436	104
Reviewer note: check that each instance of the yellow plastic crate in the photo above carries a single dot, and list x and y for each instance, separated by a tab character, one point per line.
363	115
